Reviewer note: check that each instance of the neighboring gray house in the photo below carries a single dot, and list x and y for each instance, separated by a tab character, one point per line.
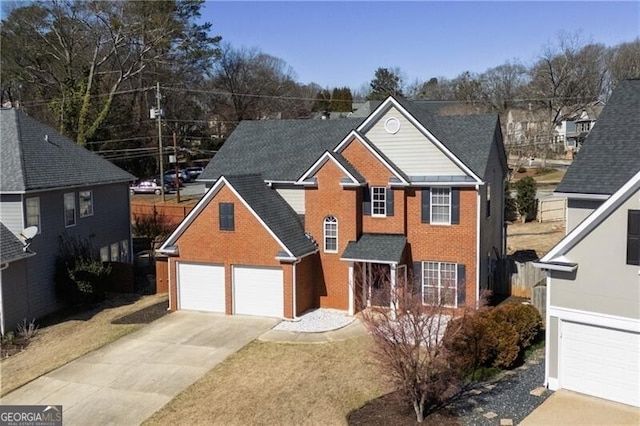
593	274
13	267
593	302
48	181
609	157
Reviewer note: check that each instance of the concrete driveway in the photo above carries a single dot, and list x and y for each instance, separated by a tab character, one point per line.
575	409
128	380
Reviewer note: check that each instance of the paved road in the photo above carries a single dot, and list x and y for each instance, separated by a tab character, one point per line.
128	380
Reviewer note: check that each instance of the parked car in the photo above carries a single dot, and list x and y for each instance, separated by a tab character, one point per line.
183	176
194	172
151	186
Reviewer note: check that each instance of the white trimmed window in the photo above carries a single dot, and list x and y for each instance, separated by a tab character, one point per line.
69	209
124	251
33	212
115	252
439	283
378	201
330	234
441	206
104	253
86	203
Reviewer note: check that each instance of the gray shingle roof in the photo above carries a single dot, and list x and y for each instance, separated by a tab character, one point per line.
277	149
348	166
282	150
35	156
376	248
274	211
11	248
610	155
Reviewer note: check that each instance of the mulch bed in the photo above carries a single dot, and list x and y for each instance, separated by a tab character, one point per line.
389	411
144	316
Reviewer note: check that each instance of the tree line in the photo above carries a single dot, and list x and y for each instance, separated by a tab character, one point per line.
90	69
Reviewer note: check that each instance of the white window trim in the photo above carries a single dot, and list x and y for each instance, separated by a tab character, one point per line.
64	202
37	199
90	191
330	220
439	286
431	205
384	201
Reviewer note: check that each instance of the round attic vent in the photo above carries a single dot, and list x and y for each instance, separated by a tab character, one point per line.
392	125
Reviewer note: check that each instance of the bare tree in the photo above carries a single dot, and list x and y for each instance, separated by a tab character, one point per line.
409	345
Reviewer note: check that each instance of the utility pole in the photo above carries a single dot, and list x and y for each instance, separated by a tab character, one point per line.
175	159
160	157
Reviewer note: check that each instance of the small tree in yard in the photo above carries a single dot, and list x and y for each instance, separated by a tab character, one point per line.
410	351
155	227
526	198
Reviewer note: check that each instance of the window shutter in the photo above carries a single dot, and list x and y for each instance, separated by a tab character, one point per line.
462	281
389	201
455	206
222	215
417	277
633	237
426	205
231	217
366	201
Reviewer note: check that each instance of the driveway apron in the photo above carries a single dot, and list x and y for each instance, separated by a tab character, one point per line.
125	382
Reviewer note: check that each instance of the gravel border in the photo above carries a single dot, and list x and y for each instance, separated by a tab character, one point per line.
508	397
317	321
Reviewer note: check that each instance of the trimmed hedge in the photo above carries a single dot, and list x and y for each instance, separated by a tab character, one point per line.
494	337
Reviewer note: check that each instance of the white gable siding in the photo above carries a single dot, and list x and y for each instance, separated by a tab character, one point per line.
11	212
410	150
294	197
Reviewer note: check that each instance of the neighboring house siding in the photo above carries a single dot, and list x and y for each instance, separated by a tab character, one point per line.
108	225
15	294
491	226
410	150
249	244
579	210
330	199
294	197
603	283
11	212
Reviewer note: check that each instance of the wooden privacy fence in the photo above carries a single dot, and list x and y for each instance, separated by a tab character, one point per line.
517	277
552	209
172	213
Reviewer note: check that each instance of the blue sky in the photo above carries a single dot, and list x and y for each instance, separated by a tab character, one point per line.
342	43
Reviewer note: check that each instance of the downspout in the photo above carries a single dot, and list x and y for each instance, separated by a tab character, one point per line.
547	333
479	201
169	283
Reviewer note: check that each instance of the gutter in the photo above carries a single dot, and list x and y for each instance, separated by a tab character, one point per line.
579	196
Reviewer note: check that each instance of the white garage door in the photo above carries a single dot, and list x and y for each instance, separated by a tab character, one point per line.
201	287
258	291
600	361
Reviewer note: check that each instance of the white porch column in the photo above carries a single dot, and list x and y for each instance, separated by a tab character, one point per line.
369	281
351	290
393	297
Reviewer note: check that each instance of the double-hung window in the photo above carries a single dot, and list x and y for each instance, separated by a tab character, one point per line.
379	201
330	234
33	212
439	283
441	206
69	209
226	217
86	203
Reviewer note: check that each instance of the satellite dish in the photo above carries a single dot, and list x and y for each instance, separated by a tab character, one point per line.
29	232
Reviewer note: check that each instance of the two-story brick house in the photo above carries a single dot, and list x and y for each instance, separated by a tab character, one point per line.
312	213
